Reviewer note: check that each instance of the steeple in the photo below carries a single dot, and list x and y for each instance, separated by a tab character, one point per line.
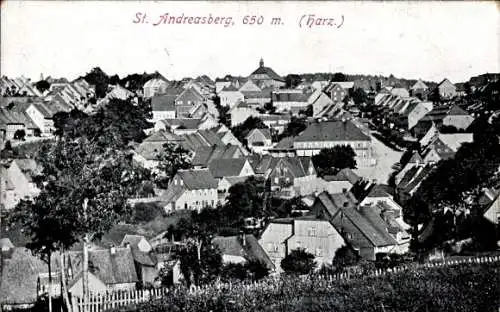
261	63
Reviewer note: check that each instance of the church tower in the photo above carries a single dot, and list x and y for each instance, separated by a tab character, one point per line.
261	63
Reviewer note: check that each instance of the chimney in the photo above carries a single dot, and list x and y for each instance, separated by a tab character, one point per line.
112	250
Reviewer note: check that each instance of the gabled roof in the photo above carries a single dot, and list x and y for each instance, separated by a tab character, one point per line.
204	155
262	70
131	239
416	158
297	165
379	190
250	249
419	85
5	243
413	178
455	140
345	174
373	234
265	132
163	136
457	111
332	131
110	268
230	88
228	167
20	270
182	123
195	179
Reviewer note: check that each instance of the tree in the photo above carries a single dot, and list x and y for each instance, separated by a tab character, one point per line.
339	77
330	161
84	187
200	263
172	158
308	111
245	199
37	132
42	85
359	96
20	134
294	128
257	268
298	261
345	256
99	79
292	80
242	130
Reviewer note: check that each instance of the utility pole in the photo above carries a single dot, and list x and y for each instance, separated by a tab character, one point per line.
85	269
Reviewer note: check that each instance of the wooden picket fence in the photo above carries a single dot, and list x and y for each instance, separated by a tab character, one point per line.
105	301
110	300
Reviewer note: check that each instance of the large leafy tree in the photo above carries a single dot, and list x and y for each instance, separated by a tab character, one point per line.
245	199
171	159
298	261
332	160
294	128
88	166
242	130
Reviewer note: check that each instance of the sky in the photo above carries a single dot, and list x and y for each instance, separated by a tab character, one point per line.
428	40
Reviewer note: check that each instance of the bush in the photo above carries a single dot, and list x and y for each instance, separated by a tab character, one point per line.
298	261
145	212
462	288
19	135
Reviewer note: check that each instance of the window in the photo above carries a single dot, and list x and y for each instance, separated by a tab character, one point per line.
276	180
185	206
311	231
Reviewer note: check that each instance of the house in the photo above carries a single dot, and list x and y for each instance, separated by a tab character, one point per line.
411	181
296	100
266	76
334	133
241	112
230	96
415	111
446	89
241	249
400	91
492	210
19	281
259	98
230	167
338	90
259	140
444	146
5	245
12	120
418	89
110	269
16	182
154	87
163	107
145	260
443	116
119	92
316	236
204	155
150	149
341	182
186	100
415	160
192	189
41	116
289	176
362	227
277	123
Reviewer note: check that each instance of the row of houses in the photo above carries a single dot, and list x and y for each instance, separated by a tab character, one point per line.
25	277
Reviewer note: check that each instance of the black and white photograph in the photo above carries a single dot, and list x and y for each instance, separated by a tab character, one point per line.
241	156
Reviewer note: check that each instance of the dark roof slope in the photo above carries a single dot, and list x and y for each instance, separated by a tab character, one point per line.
195	179
226	167
110	268
332	131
